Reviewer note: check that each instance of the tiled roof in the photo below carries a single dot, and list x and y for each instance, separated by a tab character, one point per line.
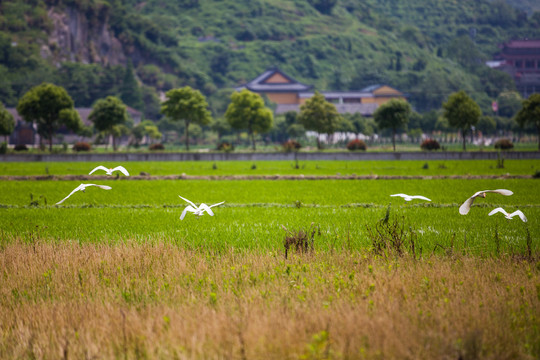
259	84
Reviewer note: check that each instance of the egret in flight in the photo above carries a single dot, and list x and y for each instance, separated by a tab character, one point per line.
82	188
109	171
411	197
509	216
197	210
466	206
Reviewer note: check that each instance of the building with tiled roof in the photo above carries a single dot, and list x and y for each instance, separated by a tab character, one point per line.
289	94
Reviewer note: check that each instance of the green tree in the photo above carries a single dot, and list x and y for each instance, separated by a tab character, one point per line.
108	116
247	111
509	103
50	107
394	115
7	122
189	105
319	115
486	124
462	112
530	114
130	92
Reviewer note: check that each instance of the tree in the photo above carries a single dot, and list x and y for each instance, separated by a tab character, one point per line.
509	103
530	114
186	104
130	92
7	122
394	115
108	116
247	111
462	112
50	107
319	115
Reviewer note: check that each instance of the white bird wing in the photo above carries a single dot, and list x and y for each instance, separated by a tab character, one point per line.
188	208
100	167
104	187
499	209
420	197
502	192
520	214
206	208
466	206
189	202
80	187
216	204
402	195
121	169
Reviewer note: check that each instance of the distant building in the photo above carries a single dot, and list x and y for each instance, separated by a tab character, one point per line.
26	133
521	60
289	94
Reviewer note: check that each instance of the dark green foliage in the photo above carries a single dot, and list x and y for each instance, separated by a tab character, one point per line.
20	147
50	107
462	112
108	116
529	115
130	93
7	122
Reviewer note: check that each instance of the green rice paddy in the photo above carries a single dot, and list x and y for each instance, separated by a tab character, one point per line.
255	210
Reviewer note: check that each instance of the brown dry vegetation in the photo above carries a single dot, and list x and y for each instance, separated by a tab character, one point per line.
133	300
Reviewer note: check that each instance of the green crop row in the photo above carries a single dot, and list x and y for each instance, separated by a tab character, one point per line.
320	167
448	192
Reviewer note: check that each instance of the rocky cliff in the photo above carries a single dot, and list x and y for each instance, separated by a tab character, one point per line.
75	37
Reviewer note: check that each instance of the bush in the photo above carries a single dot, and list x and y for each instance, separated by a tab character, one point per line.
356	145
154	147
20	147
3	148
81	146
225	146
291	145
504	144
430	144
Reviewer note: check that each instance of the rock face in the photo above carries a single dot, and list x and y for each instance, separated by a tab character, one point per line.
74	37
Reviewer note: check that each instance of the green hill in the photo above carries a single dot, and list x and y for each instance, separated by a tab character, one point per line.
426	48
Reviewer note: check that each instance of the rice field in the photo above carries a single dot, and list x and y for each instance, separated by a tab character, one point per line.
117	274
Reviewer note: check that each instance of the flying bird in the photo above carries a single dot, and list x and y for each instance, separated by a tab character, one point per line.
109	171
82	188
509	216
197	210
411	197
466	206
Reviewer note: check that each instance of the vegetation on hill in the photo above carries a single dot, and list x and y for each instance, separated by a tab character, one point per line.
428	49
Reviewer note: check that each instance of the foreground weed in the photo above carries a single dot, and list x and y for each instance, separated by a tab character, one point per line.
301	240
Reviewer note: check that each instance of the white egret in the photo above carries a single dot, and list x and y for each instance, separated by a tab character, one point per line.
197	210
466	206
109	171
411	197
509	216
82	188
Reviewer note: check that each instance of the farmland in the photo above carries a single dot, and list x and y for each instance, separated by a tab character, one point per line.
116	274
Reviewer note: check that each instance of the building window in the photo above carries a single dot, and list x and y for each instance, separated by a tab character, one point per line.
529	64
519	63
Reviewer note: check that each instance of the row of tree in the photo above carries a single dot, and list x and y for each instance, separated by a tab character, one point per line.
51	107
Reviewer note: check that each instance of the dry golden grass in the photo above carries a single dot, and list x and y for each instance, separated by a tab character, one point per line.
137	300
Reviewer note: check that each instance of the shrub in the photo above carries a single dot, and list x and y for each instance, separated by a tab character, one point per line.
81	146
356	144
20	147
225	146
3	148
504	144
154	147
430	144
291	145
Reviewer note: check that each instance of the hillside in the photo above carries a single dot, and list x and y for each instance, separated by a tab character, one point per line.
426	48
